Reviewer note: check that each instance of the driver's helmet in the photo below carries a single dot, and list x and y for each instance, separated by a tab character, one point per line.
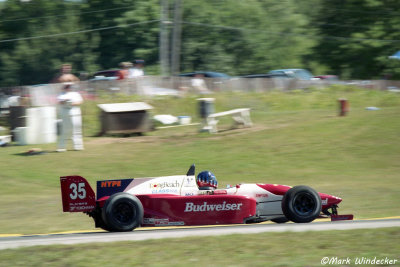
206	180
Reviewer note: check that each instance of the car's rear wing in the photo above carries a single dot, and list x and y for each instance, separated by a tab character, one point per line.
77	194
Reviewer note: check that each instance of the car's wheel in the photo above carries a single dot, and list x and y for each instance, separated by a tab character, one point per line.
104	227
301	204
100	223
122	212
280	220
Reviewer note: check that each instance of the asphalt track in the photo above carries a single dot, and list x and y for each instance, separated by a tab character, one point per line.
68	238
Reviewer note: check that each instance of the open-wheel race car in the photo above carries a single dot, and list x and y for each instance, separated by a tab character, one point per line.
124	204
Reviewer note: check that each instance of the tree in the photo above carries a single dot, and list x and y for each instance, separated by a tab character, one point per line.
136	35
351	38
358	36
30	59
242	37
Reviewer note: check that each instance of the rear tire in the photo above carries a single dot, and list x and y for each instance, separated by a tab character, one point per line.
301	204
122	212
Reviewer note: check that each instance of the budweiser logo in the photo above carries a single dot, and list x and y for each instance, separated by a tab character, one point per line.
191	207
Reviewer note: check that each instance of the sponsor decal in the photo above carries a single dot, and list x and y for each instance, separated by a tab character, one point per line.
148	220
110	184
324	201
164	185
191	207
261	195
165	191
189	182
176	223
109	187
161	222
80	206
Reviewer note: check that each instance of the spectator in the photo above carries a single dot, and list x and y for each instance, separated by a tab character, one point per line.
65	75
137	70
123	73
199	84
15	99
71	120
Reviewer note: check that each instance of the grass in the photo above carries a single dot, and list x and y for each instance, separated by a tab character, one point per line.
266	249
297	138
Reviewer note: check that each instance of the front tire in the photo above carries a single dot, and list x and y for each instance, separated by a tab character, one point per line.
301	204
122	212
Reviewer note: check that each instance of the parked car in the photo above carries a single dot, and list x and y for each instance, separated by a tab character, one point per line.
275	75
4	105
106	75
206	74
327	77
300	74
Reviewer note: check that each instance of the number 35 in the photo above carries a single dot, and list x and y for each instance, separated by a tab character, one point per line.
77	191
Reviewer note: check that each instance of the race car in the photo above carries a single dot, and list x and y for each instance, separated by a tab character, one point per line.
125	204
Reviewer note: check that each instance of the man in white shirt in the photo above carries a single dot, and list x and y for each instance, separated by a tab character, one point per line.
137	70
199	84
71	120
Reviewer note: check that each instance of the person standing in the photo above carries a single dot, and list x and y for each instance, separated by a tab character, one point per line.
71	119
123	73
137	70
65	75
199	85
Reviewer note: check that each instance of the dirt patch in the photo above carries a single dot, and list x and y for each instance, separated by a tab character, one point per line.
120	140
244	131
183	137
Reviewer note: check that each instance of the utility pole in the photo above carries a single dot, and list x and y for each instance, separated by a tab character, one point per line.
176	38
164	39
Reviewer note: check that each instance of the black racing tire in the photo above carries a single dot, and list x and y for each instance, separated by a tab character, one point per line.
280	220
100	223
122	212
105	227
301	204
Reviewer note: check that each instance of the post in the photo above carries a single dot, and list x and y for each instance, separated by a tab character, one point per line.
343	106
176	38
164	39
206	108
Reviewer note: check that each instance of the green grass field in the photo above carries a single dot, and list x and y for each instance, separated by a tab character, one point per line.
297	138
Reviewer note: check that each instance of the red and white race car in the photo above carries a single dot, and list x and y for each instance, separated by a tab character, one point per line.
123	205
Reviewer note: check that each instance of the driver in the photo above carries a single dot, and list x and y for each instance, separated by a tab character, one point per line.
206	181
